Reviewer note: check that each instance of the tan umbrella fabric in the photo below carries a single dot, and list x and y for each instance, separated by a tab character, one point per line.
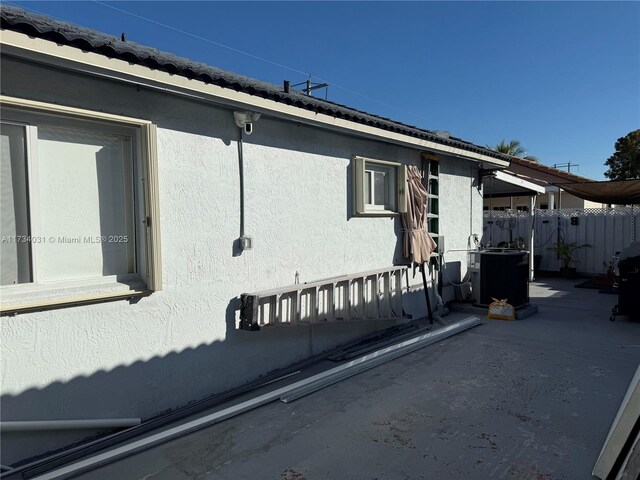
621	192
418	244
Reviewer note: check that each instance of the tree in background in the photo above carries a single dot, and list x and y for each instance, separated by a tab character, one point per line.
624	164
512	148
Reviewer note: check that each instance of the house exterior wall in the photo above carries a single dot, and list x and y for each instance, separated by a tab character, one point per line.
457	228
571	201
180	344
568	201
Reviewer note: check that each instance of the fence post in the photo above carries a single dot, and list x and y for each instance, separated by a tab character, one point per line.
532	236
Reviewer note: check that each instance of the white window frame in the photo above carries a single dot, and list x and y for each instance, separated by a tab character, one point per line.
390	187
396	183
33	296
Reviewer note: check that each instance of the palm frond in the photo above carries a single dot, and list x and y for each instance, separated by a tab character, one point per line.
513	148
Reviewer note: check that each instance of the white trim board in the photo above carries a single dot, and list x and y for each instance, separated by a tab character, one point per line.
519	182
628	415
145	133
630	469
50	53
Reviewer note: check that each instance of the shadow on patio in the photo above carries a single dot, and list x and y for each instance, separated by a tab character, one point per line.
531	398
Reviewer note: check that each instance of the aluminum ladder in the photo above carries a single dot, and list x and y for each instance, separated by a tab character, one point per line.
372	295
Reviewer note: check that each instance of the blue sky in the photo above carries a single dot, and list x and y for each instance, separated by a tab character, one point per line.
561	77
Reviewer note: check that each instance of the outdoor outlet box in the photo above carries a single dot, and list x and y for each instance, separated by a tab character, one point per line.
245	243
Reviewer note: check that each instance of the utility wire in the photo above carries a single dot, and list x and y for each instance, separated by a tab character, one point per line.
256	57
198	37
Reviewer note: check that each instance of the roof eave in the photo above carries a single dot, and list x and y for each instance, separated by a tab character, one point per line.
50	53
547	170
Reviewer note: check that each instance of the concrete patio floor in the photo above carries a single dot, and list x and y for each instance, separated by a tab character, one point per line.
528	399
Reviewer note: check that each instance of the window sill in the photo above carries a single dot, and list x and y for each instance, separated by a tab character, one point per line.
377	213
70	294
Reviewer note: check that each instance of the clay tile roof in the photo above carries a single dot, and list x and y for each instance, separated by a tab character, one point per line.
43	27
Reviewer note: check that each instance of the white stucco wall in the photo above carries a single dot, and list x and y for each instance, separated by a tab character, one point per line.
127	360
461	217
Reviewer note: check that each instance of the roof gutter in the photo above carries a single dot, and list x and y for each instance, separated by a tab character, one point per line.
75	59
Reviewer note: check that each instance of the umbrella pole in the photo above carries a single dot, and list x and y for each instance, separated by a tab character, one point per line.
426	293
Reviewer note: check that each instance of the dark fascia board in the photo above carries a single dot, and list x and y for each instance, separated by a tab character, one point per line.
63	33
544	172
509	195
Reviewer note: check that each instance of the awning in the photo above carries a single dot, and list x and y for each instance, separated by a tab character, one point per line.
621	192
505	184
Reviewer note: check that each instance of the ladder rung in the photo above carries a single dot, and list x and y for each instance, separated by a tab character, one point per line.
369	295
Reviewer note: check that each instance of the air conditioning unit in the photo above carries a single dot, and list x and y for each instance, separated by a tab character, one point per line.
499	273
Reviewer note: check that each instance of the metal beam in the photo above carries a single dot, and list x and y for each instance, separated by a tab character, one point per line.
42	425
376	358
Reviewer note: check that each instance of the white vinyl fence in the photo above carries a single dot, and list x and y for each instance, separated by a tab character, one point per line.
608	231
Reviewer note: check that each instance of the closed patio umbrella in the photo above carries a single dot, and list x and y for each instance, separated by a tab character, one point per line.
417	243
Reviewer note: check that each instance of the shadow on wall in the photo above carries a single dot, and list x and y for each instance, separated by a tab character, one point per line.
398	252
452	273
150	386
160	384
123	392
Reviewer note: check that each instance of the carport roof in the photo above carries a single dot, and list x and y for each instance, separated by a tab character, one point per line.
543	174
621	192
506	184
